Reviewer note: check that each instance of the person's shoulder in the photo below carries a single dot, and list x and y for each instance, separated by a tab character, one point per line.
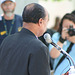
56	34
6	39
0	18
39	44
19	16
10	36
1	21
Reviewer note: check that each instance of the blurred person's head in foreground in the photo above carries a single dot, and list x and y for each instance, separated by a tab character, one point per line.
8	7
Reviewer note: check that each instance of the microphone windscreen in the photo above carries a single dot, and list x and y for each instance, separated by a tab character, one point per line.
47	38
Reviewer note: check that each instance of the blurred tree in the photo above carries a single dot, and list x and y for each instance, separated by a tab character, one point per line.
57	0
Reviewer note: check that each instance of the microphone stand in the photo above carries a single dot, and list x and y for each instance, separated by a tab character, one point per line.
65	53
72	68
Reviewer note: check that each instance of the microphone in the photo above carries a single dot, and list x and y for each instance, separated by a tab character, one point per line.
48	39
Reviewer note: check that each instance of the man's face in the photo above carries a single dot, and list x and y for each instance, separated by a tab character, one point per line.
44	24
8	7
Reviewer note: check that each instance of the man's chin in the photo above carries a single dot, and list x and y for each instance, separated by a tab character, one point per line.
9	14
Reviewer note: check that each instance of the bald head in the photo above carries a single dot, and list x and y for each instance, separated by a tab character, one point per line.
33	12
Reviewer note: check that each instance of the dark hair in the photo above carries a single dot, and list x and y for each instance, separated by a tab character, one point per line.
33	12
68	16
73	12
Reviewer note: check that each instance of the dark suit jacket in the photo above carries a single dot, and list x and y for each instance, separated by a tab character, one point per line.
23	54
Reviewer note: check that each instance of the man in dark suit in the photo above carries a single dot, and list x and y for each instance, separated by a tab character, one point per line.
23	53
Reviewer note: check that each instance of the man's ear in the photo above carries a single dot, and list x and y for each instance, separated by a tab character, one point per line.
40	21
